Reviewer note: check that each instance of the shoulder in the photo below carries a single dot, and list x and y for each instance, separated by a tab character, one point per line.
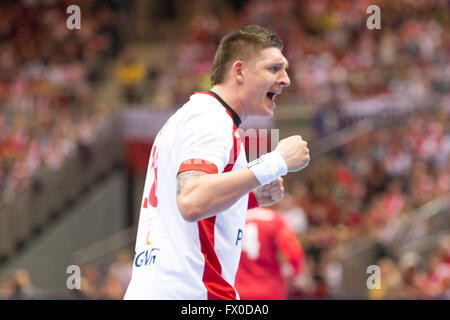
204	113
203	104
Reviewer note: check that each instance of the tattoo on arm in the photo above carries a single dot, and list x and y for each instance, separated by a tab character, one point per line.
184	177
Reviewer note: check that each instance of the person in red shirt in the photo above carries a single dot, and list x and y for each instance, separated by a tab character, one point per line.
266	235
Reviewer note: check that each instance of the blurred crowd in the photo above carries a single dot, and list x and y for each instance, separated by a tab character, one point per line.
356	190
332	53
410	276
48	75
379	175
363	186
105	282
414	276
108	283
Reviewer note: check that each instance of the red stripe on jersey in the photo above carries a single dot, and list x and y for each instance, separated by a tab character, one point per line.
252	202
217	287
199	165
208	93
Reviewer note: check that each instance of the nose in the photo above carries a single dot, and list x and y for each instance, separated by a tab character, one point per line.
284	78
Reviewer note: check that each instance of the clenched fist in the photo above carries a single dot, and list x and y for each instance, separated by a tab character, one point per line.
270	193
295	152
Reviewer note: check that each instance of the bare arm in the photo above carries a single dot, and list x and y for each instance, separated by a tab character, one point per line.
201	195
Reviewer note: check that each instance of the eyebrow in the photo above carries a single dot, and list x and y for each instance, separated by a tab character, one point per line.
280	64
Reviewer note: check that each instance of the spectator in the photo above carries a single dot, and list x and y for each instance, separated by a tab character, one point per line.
131	74
390	279
40	60
22	287
122	268
90	282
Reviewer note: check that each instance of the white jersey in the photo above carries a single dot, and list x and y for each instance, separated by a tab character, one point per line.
176	259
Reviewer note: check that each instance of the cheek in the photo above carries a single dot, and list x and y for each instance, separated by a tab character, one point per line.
259	83
261	91
256	94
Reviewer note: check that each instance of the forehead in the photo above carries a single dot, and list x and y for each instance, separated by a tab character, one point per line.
271	55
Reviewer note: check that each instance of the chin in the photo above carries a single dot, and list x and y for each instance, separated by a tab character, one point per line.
268	110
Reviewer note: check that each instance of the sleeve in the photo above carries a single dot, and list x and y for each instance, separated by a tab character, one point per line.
288	243
206	142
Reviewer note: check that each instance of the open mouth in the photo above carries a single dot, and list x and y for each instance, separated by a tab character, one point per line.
271	95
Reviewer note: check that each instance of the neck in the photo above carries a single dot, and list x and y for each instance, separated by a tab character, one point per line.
231	98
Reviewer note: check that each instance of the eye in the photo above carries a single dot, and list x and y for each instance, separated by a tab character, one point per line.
274	68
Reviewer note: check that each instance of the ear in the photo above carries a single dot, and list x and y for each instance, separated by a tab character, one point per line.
238	70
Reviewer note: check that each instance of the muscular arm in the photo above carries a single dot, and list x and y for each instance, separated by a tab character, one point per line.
201	195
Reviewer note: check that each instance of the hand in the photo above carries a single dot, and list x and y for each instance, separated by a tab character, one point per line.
295	153
270	193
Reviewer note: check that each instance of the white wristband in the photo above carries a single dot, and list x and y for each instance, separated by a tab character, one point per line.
268	167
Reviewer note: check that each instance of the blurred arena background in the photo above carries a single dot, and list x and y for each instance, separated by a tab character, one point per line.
80	109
